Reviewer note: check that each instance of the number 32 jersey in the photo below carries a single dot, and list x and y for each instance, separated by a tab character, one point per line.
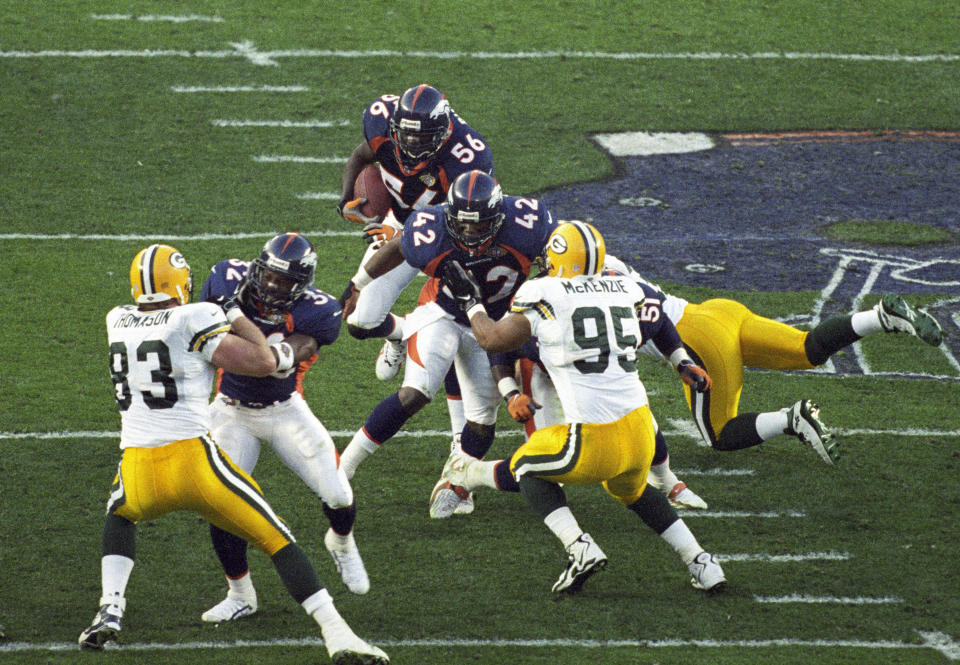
589	329
161	370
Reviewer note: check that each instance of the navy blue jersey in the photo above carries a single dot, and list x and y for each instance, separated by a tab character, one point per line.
500	269
465	150
316	314
655	325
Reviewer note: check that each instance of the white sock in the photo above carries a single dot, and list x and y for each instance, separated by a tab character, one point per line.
661	476
866	323
332	625
564	526
457	418
682	540
772	423
397	334
360	448
481	474
115	572
242	586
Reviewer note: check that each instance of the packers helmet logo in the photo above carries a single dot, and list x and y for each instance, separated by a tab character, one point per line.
177	260
558	244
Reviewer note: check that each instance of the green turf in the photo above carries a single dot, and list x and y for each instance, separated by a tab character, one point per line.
104	146
894	233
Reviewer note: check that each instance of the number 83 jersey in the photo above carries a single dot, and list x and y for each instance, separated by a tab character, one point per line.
589	329
161	370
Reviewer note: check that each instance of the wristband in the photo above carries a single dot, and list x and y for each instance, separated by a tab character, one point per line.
678	357
506	398
474	309
361	279
233	314
284	353
507	386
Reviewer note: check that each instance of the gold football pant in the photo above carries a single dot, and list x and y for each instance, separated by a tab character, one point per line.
723	337
617	454
194	474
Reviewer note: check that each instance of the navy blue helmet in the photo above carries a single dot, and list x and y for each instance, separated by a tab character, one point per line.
281	274
474	210
420	126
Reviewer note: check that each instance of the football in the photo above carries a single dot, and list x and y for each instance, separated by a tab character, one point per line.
370	186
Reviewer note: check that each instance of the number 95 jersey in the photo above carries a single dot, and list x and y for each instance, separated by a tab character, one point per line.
589	329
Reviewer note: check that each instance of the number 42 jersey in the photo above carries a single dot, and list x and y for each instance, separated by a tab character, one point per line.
161	371
589	329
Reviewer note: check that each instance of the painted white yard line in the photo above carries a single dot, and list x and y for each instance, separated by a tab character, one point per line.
781	558
828	600
295	124
278	159
155	17
323	196
167	236
419	434
938	641
714	472
239	88
246	49
728	514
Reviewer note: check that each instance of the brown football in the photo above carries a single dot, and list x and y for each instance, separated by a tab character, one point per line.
370	186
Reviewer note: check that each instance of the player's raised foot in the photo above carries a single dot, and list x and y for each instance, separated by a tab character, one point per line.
346	556
389	360
707	575
585	558
446	498
234	606
805	423
104	628
345	648
897	316
683	498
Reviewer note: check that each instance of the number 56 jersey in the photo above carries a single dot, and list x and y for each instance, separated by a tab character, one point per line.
589	329
161	370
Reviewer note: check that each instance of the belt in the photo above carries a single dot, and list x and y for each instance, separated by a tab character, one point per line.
230	401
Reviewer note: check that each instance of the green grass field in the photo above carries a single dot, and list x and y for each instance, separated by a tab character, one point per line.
104	150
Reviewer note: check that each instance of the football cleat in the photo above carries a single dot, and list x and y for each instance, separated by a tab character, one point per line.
389	360
446	498
234	606
896	316
585	559
105	628
346	556
682	497
466	506
345	648
805	422
707	574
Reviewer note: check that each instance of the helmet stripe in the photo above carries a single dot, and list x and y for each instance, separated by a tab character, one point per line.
470	184
416	95
590	246
146	270
290	237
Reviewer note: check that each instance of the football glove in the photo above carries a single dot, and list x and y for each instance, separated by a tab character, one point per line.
694	376
348	301
461	285
349	209
520	405
377	234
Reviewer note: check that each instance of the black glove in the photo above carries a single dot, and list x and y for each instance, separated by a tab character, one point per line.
461	285
694	376
346	294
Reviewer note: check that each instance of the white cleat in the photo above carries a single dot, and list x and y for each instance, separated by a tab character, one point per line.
390	359
105	628
345	648
707	574
585	559
446	498
805	423
346	556
234	606
682	498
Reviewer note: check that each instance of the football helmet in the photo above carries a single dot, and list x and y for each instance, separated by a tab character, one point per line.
419	126
474	210
280	275
575	248
159	273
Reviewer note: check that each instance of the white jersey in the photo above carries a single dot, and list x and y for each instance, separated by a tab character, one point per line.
588	331
672	306
161	370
